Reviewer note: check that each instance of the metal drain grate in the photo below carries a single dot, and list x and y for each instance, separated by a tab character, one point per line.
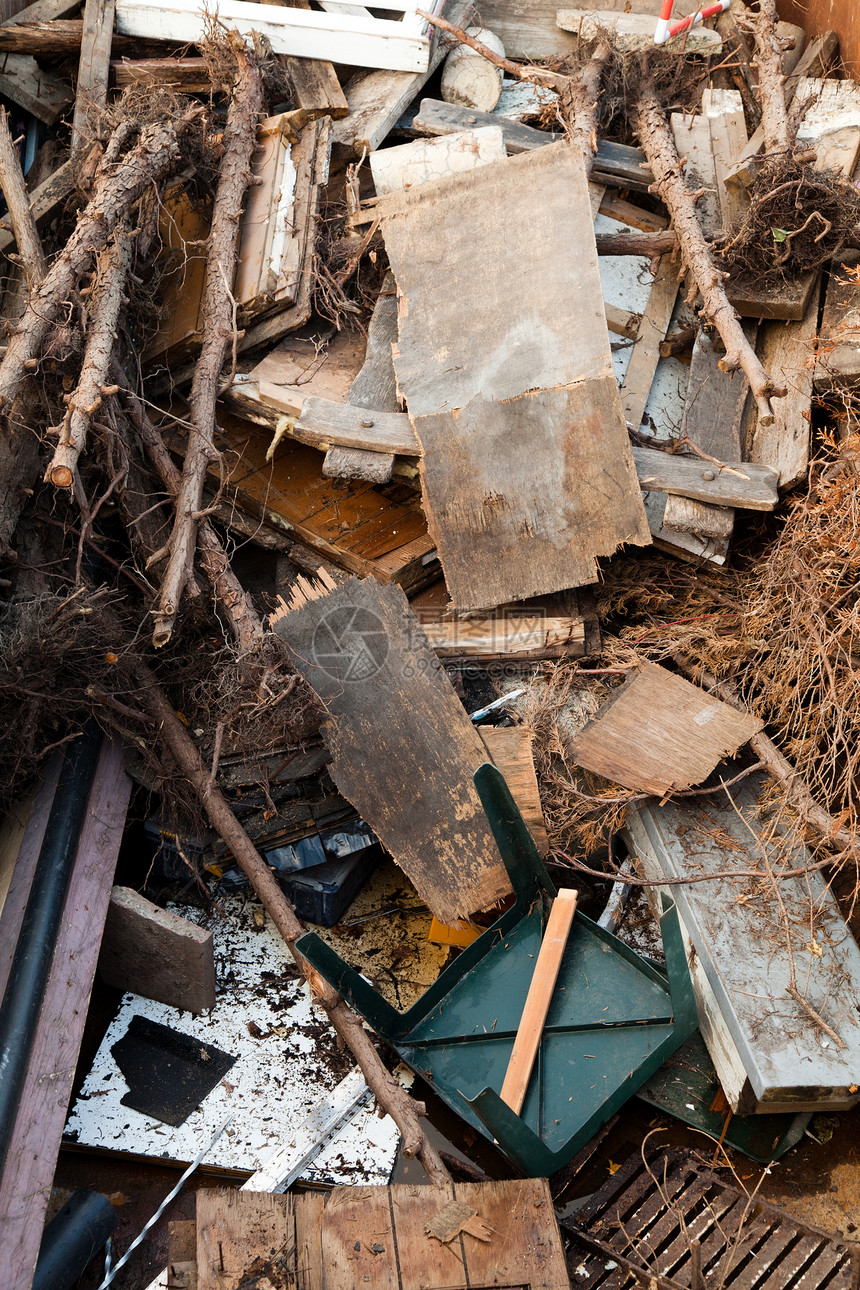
651	1217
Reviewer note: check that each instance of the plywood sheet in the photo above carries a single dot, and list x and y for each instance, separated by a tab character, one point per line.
527	471
404	751
658	732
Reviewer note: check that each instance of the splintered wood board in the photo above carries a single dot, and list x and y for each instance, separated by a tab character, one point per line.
352	524
527	473
150	951
25	1186
528	29
376	100
511	749
741	940
302	366
658	732
634	31
374	1236
404	751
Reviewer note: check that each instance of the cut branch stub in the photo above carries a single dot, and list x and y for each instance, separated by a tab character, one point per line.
659	147
246	103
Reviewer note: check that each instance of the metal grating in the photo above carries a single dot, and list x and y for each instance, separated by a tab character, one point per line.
651	1215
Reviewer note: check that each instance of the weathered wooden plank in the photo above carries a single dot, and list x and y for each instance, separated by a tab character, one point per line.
378	99
724	112
838	363
358	463
238	1229
528	28
395	720
25	1188
692	135
639	377
93	68
743	485
747	937
614	163
324	423
686	546
526	1247
314	80
713	413
507	637
658	732
151	952
409	164
188	74
786	350
35	88
511	749
527	473
358	1241
356	41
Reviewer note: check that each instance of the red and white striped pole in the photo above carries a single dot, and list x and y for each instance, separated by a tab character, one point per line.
666	29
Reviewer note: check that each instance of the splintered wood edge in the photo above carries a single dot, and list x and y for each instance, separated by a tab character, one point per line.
302	593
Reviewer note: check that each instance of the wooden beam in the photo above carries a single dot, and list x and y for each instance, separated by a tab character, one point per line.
324	424
188	74
538	999
314	80
639	377
156	954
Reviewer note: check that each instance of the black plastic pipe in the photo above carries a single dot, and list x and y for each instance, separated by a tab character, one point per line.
72	1239
34	951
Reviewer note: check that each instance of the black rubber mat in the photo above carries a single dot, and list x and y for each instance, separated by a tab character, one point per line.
168	1073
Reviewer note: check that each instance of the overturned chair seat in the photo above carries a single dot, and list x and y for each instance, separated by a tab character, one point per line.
613	1019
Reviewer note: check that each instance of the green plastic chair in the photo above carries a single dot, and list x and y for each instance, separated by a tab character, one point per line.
613	1019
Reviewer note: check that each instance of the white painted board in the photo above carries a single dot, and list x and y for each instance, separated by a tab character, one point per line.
276	1082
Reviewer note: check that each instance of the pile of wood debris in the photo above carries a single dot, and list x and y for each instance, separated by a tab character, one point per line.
365	368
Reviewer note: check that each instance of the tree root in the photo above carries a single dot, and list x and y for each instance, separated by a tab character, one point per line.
118	185
659	147
106	302
246	104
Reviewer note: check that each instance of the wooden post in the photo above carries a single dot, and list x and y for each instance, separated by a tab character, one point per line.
538	999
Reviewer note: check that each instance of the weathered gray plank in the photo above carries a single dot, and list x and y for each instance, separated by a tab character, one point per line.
785	350
713	411
326	423
749	487
838	363
746	938
527	471
403	749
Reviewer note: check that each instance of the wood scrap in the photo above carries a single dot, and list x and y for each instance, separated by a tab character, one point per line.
688	733
713	415
511	749
155	953
393	713
742	484
218	328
